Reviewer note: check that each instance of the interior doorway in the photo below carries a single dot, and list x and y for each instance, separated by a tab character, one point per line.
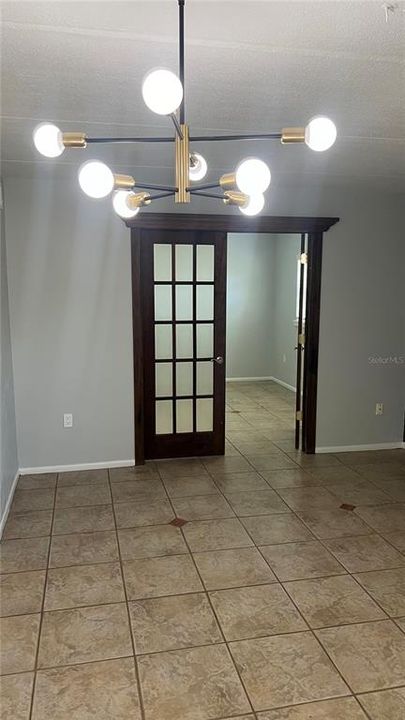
266	292
159	435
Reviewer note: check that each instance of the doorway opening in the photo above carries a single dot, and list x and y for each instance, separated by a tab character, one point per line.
266	309
169	313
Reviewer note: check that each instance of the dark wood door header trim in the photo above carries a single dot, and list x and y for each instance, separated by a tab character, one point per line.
231	223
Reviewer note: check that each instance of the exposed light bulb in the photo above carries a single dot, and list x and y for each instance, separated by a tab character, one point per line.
96	179
198	167
48	140
162	91
253	176
120	204
254	205
320	133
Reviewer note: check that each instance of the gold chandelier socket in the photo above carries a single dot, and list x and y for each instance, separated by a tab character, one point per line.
137	200
74	140
228	181
235	198
292	135
125	182
182	166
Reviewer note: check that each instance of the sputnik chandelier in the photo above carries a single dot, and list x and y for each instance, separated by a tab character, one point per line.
163	93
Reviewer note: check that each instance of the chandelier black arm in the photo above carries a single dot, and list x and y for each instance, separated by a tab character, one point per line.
205	194
162	195
90	140
177	126
150	186
206	186
254	136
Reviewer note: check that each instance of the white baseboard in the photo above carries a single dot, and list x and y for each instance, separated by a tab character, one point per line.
248	379
284	384
360	448
78	466
8	503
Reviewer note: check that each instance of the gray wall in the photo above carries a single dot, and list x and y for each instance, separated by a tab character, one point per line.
69	279
249	305
8	440
283	360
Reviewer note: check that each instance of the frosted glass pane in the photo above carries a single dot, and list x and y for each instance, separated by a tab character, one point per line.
205	378
164	417
205	263
184	302
205	302
163	379
184	341
205	340
205	420
163	342
162	262
184	262
163	302
184	416
184	378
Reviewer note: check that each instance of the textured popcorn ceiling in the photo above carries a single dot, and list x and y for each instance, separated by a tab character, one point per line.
251	67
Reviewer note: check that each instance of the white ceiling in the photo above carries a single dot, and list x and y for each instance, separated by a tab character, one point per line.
251	67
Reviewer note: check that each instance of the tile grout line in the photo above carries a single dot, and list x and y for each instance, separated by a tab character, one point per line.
135	660
41	619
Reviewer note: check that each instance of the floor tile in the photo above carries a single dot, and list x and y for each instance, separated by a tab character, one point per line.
203	507
82	477
188	486
376	471
256	611
134	472
19	637
396	539
151	542
84	634
15	693
365	552
24	554
295	561
233	568
395	489
33	500
334	474
401	623
292	477
387	587
189	467
334	523
155	577
240	482
370	656
275	461
171	623
141	489
143	513
80	585
216	535
286	669
103	690
384	705
21	593
308	498
333	601
337	709
221	465
36	523
310	461
359	494
80	495
274	529
191	684
83	519
387	518
264	502
83	548
37	482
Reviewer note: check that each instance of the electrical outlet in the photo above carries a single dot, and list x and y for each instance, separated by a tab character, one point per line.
67	420
379	409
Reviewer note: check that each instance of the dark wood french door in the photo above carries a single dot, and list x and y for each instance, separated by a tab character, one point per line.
183	301
300	347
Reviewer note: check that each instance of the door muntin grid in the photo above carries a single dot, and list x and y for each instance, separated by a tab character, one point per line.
183	277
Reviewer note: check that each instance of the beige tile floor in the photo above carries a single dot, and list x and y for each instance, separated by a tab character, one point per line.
270	603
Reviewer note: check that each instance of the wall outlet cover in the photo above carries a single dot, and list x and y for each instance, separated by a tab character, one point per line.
67	420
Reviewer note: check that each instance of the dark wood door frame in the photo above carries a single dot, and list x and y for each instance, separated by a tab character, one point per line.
314	227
